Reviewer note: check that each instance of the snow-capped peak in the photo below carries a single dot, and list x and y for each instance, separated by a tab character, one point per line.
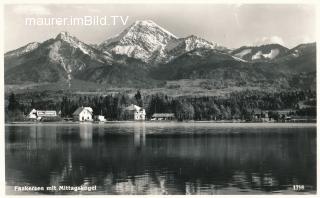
149	42
151	24
139	29
143	40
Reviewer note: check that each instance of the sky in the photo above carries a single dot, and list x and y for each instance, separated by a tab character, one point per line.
229	25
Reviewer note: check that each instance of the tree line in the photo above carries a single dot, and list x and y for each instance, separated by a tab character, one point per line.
237	105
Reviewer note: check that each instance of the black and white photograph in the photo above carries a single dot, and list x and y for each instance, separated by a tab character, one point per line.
160	99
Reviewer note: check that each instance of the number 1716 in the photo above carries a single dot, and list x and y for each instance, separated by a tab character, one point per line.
298	187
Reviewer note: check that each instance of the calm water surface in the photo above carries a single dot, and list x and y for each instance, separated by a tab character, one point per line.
162	158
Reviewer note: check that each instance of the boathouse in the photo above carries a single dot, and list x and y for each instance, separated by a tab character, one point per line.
40	114
163	116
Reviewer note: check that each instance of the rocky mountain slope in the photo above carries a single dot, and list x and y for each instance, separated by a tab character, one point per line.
51	61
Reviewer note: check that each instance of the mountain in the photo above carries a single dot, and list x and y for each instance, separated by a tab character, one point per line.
301	58
301	63
292	69
51	61
258	53
218	66
143	40
183	45
152	44
147	55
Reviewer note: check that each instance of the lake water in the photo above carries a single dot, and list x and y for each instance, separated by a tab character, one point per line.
162	158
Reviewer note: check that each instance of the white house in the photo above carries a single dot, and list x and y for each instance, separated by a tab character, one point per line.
136	112
38	114
83	114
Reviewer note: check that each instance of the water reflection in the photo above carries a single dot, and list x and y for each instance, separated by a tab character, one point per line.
85	134
139	135
138	158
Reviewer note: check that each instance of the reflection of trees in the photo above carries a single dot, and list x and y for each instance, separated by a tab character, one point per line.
31	147
170	163
236	159
33	137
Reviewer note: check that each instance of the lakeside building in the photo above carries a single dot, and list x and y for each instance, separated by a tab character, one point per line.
100	118
83	114
163	116
135	112
300	119
40	114
265	115
259	115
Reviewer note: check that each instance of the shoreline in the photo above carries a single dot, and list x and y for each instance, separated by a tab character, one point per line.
172	123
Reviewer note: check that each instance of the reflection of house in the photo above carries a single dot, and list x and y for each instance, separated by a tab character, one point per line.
83	114
135	112
85	135
163	116
139	135
99	118
39	114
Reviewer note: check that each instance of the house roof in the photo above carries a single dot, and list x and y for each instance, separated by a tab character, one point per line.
163	115
80	109
133	107
42	111
33	111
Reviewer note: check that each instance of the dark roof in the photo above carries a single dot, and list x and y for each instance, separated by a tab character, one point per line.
78	111
163	115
